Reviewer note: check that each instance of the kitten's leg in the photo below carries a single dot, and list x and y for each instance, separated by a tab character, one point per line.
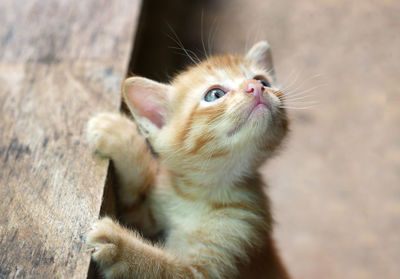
120	253
116	137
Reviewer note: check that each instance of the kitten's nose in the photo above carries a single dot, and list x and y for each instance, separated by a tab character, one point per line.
254	87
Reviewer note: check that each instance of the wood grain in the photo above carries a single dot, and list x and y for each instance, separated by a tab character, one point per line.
60	62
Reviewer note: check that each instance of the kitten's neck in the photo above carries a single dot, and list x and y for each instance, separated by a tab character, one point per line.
214	188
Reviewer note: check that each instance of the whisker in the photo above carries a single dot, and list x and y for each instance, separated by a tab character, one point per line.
287	87
209	36
201	33
300	108
184	51
305	97
180	44
301	103
301	94
215	33
297	89
300	85
289	77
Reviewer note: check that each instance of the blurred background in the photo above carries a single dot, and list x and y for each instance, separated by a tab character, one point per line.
335	187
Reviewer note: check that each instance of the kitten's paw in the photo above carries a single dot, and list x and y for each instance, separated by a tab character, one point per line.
109	133
104	241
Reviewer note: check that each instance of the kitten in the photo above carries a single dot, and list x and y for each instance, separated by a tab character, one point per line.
211	128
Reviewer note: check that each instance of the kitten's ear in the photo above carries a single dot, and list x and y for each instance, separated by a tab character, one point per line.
261	54
148	102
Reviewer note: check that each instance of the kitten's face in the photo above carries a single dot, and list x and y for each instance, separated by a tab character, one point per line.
225	108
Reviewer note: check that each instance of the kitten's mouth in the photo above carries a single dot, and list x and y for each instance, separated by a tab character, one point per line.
258	106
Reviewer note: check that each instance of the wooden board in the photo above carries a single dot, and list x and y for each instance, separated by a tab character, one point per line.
60	62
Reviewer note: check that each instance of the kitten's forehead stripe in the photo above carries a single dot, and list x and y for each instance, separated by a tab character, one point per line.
226	64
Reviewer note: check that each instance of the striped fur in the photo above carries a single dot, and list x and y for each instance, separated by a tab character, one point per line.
203	192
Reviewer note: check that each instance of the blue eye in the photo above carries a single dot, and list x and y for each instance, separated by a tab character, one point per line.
214	94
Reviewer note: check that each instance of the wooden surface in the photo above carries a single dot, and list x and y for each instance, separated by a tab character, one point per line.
60	62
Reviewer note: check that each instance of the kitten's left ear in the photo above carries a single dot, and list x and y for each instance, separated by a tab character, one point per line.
148	102
261	54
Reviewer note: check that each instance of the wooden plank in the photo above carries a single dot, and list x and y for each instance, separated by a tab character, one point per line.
60	62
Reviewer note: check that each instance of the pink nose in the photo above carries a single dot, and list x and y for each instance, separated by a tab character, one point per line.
254	87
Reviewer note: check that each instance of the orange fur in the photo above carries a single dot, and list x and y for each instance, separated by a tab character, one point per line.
204	191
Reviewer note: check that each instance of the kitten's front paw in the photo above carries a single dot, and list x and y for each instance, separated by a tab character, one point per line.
104	241
110	133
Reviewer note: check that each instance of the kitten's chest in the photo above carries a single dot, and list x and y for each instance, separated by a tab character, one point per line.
185	214
179	217
186	222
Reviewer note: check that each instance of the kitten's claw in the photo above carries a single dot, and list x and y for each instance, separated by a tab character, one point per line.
103	241
92	249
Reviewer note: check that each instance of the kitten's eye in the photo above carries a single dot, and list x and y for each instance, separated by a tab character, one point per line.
214	94
263	81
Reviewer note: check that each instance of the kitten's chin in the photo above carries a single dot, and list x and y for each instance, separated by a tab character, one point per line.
259	111
258	114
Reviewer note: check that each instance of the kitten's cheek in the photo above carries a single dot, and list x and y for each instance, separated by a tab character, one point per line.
274	100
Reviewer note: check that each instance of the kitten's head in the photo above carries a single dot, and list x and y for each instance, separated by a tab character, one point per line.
223	114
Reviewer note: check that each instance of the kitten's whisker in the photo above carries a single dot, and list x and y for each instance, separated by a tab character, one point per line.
297	89
201	33
289	77
300	85
287	87
184	51
301	103
180	44
295	94
187	53
307	107
299	97
209	36
213	36
270	71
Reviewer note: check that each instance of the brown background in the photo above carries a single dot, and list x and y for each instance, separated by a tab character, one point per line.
336	186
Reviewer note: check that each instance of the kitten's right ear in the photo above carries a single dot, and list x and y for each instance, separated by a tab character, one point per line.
148	102
260	53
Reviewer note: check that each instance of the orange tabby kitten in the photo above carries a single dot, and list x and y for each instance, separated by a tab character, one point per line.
211	128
